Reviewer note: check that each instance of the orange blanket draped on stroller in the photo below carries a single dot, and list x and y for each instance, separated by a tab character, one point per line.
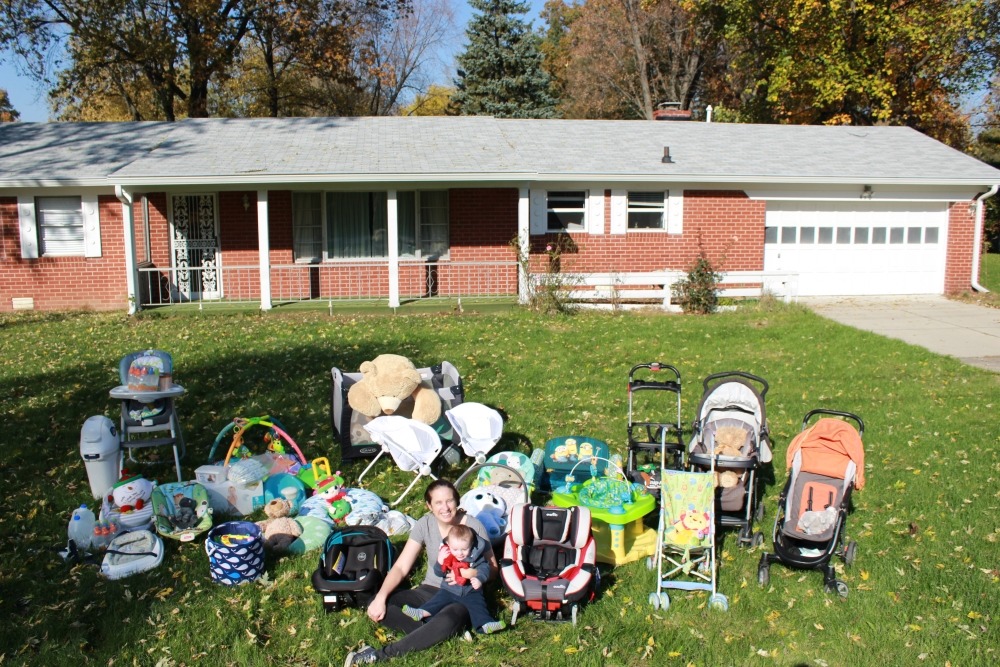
826	447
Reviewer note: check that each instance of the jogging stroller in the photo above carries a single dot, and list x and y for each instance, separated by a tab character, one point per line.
549	563
731	433
652	443
354	561
826	462
685	551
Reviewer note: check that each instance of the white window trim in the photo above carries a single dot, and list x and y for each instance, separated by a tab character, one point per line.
28	223
585	227
675	211
663	214
595	212
619	211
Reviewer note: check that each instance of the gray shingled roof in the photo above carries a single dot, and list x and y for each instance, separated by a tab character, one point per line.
472	149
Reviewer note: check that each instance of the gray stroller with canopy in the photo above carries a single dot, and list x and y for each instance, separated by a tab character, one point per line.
730	438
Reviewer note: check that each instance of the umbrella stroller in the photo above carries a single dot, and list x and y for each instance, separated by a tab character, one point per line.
826	461
685	547
653	443
731	434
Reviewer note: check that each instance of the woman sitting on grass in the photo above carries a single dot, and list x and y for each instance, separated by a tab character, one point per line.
386	607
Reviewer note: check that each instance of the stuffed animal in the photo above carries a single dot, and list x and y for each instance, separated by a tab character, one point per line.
488	508
729	441
279	529
387	382
332	491
131	492
691	528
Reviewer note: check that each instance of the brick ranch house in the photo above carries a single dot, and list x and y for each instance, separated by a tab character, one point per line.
132	215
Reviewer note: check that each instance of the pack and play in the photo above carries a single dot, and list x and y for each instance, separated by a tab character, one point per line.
655	431
549	562
686	546
826	462
730	436
349	424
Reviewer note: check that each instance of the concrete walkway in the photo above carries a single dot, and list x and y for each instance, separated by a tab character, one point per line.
966	331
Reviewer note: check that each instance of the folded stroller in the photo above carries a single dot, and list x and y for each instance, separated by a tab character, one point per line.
653	443
549	562
826	461
685	551
354	562
730	436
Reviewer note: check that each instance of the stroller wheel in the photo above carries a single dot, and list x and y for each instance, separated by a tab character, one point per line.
719	602
650	563
838	587
572	613
659	601
758	540
758	514
850	553
654	600
745	536
763	576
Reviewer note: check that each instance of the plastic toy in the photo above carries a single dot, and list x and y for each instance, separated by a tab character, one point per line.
617	507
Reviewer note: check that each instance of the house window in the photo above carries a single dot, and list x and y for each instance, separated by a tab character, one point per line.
307	226
423	223
357	225
646	210
60	226
567	211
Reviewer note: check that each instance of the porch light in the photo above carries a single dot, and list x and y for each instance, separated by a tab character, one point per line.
246	202
866	193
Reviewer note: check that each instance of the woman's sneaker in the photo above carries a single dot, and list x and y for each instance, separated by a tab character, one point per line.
365	655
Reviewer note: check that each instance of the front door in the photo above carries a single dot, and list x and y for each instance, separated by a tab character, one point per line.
194	233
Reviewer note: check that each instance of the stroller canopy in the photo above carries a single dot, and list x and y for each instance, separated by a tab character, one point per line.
827	447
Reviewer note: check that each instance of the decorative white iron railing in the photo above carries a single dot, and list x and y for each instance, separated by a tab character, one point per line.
363	280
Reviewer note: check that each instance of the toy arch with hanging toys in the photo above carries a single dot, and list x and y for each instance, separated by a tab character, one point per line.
274	438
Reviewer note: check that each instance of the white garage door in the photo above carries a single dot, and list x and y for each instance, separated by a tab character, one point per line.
858	247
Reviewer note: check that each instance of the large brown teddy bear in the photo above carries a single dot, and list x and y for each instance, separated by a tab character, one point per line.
391	385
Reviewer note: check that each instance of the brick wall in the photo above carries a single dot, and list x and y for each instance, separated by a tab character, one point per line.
961	237
64	283
727	226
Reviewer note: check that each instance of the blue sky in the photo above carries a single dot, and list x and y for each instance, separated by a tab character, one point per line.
32	101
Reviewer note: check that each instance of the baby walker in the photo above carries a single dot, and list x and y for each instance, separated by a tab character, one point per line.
617	507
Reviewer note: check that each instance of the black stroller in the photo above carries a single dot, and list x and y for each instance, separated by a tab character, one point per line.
652	443
353	564
731	428
826	462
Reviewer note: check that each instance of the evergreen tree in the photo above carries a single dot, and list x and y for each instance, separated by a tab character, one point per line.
500	73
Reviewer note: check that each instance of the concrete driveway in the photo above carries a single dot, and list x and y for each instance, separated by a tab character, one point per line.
969	332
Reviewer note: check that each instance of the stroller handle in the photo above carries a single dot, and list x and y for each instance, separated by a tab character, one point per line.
673	384
838	413
743	374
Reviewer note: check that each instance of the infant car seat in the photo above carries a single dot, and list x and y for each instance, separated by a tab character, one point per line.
550	561
354	562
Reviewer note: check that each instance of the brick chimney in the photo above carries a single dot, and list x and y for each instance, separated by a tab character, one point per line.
671	111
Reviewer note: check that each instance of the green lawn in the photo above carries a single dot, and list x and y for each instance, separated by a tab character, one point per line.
989	271
924	588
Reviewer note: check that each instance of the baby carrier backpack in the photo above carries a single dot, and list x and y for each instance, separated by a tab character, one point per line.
352	566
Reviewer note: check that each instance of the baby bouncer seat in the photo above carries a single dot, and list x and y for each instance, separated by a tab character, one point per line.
412	444
549	563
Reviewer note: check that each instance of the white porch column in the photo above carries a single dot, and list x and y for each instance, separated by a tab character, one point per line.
393	228
264	250
523	244
131	266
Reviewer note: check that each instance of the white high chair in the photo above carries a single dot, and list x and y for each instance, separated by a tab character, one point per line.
412	444
478	428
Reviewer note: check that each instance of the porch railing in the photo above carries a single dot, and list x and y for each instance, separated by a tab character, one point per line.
363	280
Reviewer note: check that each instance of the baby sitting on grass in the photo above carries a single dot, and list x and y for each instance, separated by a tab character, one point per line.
461	554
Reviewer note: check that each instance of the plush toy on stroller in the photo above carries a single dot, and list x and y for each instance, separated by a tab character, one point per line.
730	437
826	462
